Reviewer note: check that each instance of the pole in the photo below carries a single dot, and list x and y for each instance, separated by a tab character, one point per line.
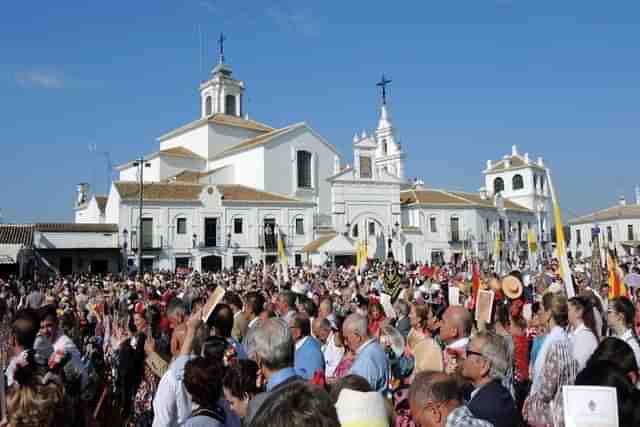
140	204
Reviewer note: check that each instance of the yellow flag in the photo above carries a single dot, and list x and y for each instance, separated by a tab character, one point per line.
358	254
533	242
561	247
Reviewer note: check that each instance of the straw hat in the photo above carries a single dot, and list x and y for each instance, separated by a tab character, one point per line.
512	287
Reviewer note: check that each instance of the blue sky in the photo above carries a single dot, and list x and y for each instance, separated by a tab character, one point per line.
558	78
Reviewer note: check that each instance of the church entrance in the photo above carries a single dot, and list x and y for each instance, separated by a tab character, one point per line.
212	263
344	260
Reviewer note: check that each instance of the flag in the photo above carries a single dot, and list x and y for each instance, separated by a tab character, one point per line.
533	249
616	284
282	257
475	281
561	247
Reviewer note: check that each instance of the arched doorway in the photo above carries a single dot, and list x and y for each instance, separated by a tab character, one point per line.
211	263
408	253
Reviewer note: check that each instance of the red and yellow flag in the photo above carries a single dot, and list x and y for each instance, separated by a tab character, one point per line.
616	284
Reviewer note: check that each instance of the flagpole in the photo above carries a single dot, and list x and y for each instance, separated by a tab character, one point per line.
563	261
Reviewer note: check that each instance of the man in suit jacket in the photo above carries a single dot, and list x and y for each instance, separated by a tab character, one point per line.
273	348
485	365
308	356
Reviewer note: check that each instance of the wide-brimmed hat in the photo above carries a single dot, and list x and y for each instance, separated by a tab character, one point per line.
512	287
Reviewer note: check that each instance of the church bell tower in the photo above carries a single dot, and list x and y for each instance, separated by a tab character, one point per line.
389	155
221	94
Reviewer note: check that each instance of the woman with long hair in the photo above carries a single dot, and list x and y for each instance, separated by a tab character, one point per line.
376	318
583	333
420	318
554	366
621	317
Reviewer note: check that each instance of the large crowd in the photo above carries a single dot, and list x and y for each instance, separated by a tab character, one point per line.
386	345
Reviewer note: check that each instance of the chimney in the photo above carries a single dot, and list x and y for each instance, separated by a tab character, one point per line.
83	194
526	158
540	162
623	201
489	164
514	150
637	194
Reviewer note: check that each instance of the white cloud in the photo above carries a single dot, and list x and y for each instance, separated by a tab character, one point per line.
45	78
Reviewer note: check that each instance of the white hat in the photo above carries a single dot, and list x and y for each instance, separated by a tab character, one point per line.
356	408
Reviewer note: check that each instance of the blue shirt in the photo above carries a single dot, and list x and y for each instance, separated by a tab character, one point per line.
279	377
372	364
309	358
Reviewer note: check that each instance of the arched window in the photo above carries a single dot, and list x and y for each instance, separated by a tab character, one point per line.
517	182
304	169
498	185
230	105
535	182
355	231
207	106
542	184
385	148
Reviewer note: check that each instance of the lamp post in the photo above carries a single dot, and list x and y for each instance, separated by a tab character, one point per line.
140	164
125	238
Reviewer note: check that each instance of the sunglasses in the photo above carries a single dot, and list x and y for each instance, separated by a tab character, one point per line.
473	353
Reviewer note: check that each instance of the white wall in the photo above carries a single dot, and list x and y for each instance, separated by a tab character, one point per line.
91	214
171	166
247	167
618	230
75	240
281	171
196	140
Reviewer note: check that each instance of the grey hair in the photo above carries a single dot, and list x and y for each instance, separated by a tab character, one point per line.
494	349
358	324
402	307
271	342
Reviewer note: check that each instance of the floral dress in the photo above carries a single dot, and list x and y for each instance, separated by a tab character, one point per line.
543	406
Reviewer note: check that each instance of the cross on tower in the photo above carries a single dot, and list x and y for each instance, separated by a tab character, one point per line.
221	47
383	84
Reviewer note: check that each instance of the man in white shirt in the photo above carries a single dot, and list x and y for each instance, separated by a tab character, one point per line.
454	332
332	348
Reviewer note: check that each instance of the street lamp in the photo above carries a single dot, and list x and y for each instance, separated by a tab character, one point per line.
140	164
125	239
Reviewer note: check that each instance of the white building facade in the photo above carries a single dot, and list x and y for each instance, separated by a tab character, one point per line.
617	228
219	189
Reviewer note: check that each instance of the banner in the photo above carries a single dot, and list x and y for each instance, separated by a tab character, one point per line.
561	247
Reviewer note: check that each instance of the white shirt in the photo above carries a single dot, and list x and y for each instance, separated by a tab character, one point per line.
332	355
583	344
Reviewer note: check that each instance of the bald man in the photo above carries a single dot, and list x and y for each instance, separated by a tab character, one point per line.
455	330
435	400
332	347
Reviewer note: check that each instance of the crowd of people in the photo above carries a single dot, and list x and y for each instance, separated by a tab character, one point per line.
386	345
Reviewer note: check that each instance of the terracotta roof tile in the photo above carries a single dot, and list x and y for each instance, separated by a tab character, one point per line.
453	198
257	141
515	162
159	191
612	213
16	234
316	244
181	152
228	120
189	176
70	227
241	193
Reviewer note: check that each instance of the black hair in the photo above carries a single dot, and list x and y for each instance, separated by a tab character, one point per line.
616	351
222	320
624	306
232	298
202	381
240	379
584	304
255	301
25	326
302	322
349	382
607	374
297	405
213	348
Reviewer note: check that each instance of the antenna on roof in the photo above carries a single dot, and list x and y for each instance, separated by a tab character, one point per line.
200	52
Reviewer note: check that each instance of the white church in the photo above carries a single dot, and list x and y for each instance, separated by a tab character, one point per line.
220	188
